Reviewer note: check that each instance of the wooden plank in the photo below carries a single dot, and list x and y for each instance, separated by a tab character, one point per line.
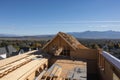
34	68
57	52
48	72
25	70
58	72
40	75
53	71
15	58
10	67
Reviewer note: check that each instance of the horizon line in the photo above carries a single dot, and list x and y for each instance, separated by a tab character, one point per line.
53	33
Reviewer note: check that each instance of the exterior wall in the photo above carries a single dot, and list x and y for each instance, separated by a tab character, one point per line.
85	54
90	55
107	72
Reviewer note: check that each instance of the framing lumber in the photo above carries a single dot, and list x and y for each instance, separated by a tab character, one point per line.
15	58
25	70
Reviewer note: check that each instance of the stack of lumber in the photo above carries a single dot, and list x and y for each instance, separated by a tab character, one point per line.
53	73
26	71
40	75
11	67
15	58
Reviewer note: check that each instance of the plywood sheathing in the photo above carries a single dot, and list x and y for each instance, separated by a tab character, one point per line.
68	65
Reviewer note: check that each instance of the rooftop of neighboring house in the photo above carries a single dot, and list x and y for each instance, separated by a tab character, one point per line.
8	50
3	50
11	48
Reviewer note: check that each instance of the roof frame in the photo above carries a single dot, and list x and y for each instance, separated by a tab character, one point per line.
56	37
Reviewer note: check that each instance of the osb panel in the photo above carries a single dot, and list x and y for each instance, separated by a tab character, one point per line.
108	71
85	54
68	65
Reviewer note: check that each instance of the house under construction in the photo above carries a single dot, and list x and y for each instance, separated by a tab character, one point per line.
62	58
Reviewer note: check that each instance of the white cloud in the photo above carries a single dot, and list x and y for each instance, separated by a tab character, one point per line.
104	26
79	22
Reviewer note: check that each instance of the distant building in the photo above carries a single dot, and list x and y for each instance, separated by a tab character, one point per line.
24	49
7	51
3	53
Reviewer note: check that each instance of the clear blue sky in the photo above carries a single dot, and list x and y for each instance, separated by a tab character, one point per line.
35	17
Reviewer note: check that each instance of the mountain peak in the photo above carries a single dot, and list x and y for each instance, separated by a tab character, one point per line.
98	34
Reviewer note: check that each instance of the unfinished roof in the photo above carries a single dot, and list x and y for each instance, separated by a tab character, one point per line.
74	43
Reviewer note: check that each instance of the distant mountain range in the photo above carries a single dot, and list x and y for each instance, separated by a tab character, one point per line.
97	34
8	35
86	34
